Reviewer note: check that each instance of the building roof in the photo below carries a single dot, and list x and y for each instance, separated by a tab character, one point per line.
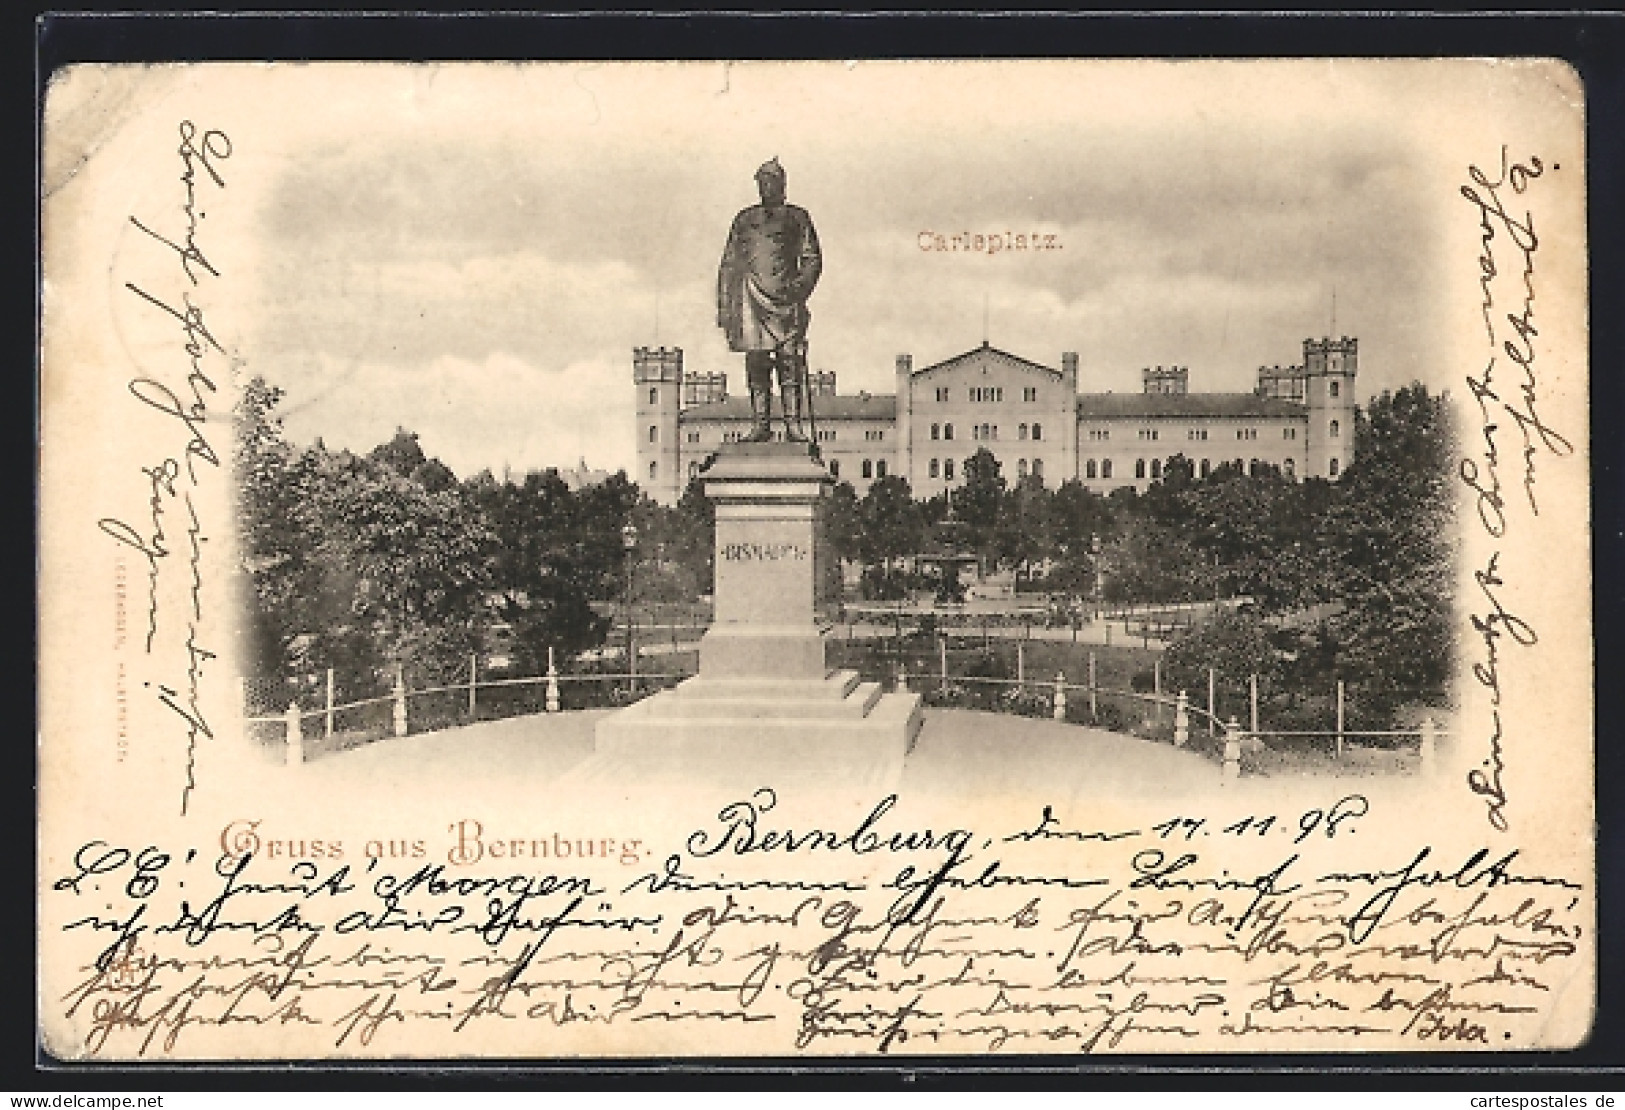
985	353
862	406
1106	406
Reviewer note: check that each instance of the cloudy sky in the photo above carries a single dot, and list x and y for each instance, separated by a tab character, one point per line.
471	252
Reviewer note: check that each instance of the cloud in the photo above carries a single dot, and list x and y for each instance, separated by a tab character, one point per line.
500	410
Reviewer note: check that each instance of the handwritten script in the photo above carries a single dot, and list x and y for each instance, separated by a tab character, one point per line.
1511	338
1249	929
171	484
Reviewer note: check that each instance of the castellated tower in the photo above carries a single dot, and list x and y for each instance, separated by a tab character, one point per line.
657	379
1329	366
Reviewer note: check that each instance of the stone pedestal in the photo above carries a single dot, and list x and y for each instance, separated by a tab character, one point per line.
764	704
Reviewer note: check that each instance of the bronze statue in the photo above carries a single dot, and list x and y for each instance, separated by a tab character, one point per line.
769	269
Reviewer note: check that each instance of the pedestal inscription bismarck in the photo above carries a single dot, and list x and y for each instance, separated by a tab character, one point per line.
764	701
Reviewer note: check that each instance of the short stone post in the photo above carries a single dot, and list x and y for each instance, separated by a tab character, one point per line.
296	736
1232	750
902	676
552	703
1060	695
1182	720
400	702
1428	748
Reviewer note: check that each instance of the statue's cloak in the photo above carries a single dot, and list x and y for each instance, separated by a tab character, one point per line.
769	268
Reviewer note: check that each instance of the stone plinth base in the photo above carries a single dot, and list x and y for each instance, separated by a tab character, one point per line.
765	710
834	732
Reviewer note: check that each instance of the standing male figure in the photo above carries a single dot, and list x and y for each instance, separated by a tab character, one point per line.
769	269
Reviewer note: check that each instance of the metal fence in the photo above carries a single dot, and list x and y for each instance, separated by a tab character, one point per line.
298	734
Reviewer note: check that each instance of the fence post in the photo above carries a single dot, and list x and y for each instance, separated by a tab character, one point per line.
1340	718
1156	687
942	654
1060	695
1182	721
1094	708
1428	746
473	679
400	701
295	736
552	700
1021	665
329	703
1232	750
902	676
1212	706
1252	700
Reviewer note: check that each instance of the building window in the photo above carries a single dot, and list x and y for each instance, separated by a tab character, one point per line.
693	470
1252	468
1334	468
1206	469
947	431
1105	468
936	431
1038	468
948	470
1335	429
1089	469
942	393
826	434
934	469
1289	433
654	396
654	433
1334	387
1198	434
1100	435
880	469
1021	468
1029	393
835	468
1021	432
868	469
873	435
694	437
654	471
1139	468
1148	434
1156	468
1291	468
1038	431
987	394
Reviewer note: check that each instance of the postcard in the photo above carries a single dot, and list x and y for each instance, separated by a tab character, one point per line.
798	559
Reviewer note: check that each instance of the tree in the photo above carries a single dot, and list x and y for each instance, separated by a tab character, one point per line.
891	521
1390	532
978	501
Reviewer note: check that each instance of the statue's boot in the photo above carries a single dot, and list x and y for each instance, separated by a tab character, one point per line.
761	430
792	379
793	432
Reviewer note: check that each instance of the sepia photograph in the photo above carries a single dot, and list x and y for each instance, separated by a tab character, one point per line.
775	559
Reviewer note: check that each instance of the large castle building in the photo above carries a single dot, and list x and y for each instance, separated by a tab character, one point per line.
1032	417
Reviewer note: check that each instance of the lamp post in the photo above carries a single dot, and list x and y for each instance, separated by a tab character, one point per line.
1094	554
629	542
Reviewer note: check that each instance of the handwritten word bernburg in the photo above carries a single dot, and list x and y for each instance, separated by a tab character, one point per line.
991	243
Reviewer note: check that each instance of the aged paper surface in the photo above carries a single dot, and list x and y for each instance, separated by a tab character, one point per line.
472	253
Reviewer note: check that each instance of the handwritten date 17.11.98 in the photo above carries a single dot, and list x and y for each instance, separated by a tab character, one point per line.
1326	821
